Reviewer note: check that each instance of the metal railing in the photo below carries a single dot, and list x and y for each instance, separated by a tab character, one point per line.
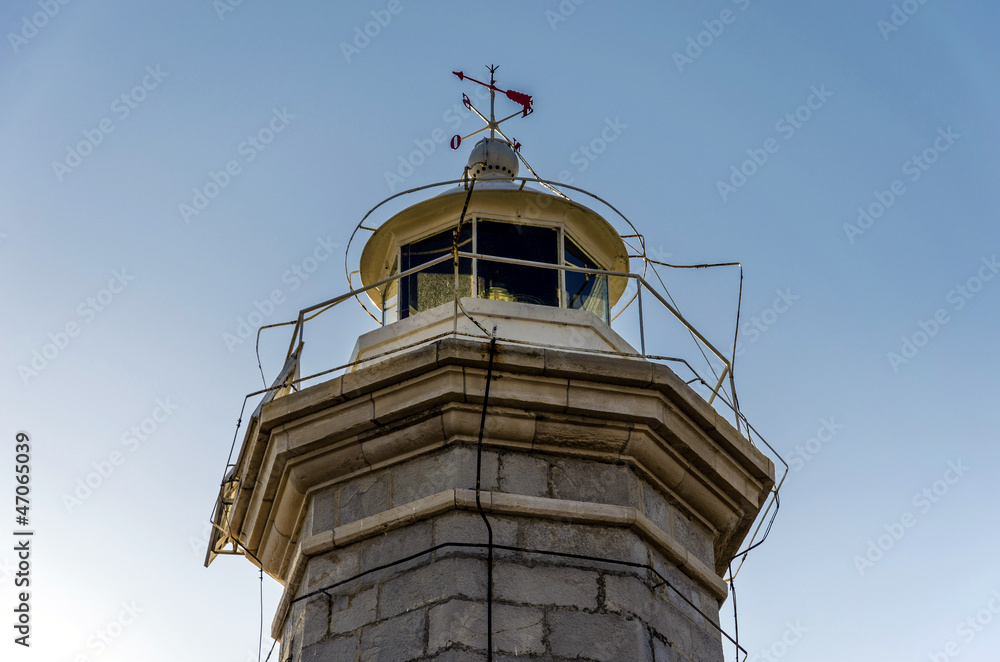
290	380
715	388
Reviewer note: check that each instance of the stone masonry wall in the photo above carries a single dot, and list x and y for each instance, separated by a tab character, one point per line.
513	472
545	607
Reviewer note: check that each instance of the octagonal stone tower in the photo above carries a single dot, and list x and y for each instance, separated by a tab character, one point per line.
581	504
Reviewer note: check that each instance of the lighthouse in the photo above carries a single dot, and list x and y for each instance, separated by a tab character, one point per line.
494	473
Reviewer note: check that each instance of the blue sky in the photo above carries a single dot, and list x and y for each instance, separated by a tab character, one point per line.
884	107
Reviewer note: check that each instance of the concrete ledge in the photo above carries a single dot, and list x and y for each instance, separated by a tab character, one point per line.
496	503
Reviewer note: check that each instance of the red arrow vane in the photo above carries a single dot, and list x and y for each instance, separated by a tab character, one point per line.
524	100
462	76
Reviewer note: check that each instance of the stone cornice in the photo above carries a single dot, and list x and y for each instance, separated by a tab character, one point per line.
542	400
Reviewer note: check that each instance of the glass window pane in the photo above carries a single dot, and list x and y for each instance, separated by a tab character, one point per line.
586	291
510	282
434	285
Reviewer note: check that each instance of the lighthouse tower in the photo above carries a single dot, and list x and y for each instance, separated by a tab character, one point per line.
496	473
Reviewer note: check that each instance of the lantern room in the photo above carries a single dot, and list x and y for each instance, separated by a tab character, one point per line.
513	244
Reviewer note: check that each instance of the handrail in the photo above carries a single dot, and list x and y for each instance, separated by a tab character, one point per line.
641	283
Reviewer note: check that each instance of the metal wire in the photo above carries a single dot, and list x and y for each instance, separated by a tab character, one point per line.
479	505
663	581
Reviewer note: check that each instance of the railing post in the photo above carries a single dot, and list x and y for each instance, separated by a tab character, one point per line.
642	322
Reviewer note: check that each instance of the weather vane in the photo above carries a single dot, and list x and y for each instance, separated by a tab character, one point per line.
492	123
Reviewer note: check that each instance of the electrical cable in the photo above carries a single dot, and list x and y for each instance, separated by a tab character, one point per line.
525	550
736	617
260	637
777	505
479	504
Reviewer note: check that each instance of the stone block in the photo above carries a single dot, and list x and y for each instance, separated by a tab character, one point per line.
362	497
607	369
511	390
459	656
457	623
694	536
673	625
406	438
372	375
395	545
707	646
454	467
602	637
315	617
418	394
331	568
505	426
689	589
656	507
581	433
330	425
394	640
344	648
629	595
468	527
518	630
324	511
521	473
663	651
596	482
444	579
619	403
350	612
545	585
614	543
291	634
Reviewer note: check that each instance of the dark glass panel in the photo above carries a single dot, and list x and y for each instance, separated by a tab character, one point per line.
587	291
510	282
434	285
